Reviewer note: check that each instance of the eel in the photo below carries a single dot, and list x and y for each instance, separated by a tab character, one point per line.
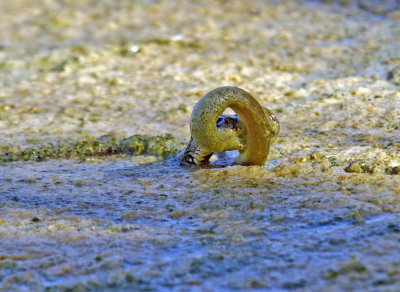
251	131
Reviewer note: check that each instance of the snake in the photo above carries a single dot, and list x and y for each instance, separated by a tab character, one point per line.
251	130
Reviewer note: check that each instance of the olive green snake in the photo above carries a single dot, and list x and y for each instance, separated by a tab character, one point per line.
251	131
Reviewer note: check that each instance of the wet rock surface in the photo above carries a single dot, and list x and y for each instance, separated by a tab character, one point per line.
78	84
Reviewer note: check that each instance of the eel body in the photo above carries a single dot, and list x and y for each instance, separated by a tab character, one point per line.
251	130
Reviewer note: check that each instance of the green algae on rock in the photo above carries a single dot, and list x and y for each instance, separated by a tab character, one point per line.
162	146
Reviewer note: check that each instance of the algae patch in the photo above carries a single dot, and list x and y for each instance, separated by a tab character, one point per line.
162	146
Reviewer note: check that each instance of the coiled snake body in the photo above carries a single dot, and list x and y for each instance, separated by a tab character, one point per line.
251	131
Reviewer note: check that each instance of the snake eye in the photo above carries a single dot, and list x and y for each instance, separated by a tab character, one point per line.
272	117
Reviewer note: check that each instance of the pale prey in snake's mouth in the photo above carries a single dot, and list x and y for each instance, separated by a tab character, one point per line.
251	131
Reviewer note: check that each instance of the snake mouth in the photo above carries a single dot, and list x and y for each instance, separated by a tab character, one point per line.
251	130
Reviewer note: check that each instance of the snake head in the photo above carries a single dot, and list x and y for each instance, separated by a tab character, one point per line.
274	124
